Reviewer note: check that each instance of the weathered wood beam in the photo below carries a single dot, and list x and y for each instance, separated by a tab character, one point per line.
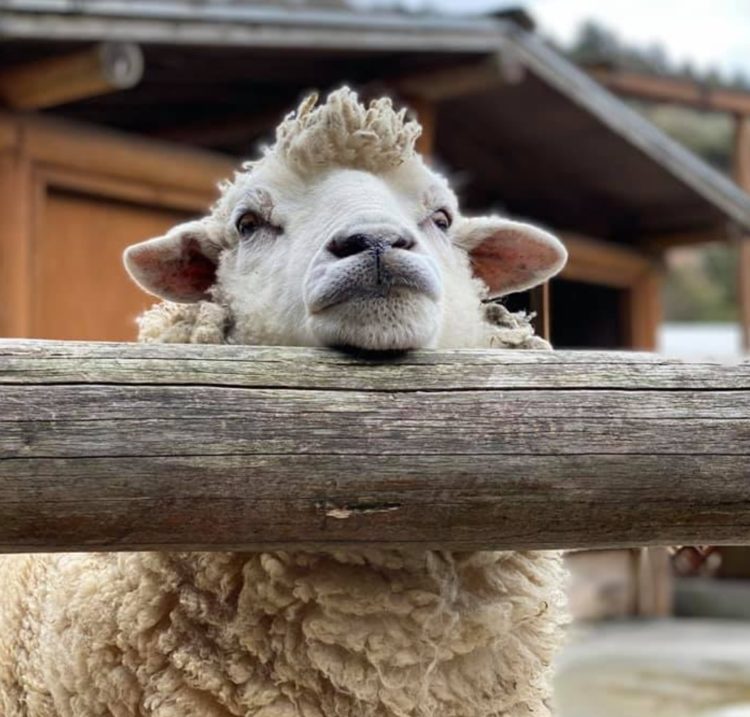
125	446
107	67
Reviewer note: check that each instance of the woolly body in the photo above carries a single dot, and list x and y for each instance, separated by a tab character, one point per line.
365	633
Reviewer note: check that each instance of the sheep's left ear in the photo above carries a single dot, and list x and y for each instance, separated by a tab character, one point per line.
510	256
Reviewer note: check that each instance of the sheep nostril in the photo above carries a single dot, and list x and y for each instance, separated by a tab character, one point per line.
342	247
403	242
348	246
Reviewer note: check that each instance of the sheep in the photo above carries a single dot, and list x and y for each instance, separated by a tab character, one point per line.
338	235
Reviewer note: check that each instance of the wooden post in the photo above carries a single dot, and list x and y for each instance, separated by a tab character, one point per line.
743	290
643	310
742	177
16	199
108	67
540	305
654	582
127	446
425	111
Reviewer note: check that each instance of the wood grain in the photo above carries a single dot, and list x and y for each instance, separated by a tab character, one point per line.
126	446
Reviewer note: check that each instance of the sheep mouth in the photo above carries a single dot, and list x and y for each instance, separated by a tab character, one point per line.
370	281
336	297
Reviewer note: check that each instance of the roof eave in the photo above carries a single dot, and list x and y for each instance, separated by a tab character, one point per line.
617	116
183	23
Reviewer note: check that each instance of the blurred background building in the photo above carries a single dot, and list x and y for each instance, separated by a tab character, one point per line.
120	117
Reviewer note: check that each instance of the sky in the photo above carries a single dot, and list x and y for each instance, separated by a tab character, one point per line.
709	33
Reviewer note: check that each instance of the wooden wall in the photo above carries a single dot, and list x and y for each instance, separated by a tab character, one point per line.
71	199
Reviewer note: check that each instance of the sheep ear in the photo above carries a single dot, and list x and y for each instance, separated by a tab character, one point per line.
179	266
510	256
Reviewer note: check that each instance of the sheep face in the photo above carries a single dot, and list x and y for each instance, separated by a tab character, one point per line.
348	257
335	253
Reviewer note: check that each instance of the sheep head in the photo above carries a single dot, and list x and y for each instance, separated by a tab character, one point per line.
341	235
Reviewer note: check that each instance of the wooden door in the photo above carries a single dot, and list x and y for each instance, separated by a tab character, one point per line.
82	290
73	198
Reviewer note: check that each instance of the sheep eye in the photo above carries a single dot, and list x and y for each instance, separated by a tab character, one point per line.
248	224
442	220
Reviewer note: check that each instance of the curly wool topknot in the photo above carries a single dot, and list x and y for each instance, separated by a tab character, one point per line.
343	132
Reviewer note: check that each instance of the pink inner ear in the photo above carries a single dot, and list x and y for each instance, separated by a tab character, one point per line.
508	263
197	271
186	275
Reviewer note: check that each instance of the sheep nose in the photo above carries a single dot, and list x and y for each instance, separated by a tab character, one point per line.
342	247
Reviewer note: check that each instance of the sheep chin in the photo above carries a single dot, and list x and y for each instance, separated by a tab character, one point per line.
399	321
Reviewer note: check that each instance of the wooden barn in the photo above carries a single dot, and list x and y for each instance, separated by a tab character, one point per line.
120	117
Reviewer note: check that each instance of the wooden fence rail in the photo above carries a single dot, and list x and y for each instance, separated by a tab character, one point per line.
125	446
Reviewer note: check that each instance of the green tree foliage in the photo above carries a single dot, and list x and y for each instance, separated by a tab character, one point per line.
702	284
595	44
708	134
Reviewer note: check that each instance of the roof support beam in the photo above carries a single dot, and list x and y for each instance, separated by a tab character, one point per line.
674	90
225	130
500	68
660	243
104	68
600	262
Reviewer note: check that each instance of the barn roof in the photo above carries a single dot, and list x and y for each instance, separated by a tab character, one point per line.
542	140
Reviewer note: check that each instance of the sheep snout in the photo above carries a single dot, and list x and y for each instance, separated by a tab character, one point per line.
372	271
377	244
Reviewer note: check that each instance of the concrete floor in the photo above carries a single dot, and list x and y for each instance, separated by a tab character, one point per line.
669	668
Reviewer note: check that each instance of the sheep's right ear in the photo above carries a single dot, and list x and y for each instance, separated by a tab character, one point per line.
509	256
179	266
